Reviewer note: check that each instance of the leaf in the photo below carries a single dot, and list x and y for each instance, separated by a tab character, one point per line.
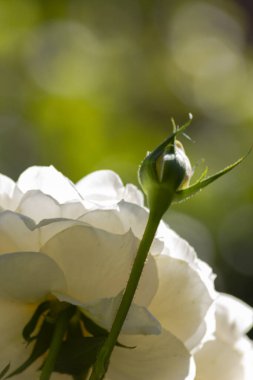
78	354
184	194
4	371
74	329
98	331
31	325
42	344
118	344
202	176
92	327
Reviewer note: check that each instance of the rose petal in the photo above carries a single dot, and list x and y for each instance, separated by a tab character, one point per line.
134	217
7	185
182	299
16	233
233	317
138	321
13	317
160	357
9	195
103	311
245	346
220	361
120	220
39	206
107	220
97	263
72	210
205	330
133	195
175	246
49	181
29	276
47	228
103	187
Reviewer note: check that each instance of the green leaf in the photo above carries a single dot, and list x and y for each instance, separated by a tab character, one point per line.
118	344
42	344
77	355
4	371
98	331
74	329
92	327
202	176
31	325
184	194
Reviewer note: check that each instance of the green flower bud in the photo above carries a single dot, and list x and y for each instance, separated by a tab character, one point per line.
164	171
165	174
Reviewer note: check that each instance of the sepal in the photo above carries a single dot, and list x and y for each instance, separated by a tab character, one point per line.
202	182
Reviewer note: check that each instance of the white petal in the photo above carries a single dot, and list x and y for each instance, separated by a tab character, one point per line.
175	246
7	185
39	206
234	317
103	187
9	195
16	233
13	318
220	361
133	195
134	217
107	220
182	299
121	219
48	228
204	333
29	276
97	264
72	210
138	321
245	346
160	357
103	311
49	181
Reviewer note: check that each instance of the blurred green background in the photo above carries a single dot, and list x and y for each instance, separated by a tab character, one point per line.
86	85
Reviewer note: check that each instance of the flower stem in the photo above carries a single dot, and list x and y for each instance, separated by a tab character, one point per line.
60	329
102	362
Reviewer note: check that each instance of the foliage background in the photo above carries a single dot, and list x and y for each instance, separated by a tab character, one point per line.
87	85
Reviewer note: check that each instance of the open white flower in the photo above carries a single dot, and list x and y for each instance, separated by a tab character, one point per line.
229	354
76	244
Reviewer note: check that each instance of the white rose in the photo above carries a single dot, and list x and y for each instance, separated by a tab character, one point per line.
77	243
229	354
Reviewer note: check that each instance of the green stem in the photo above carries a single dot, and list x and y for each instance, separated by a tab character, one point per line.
102	362
60	329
